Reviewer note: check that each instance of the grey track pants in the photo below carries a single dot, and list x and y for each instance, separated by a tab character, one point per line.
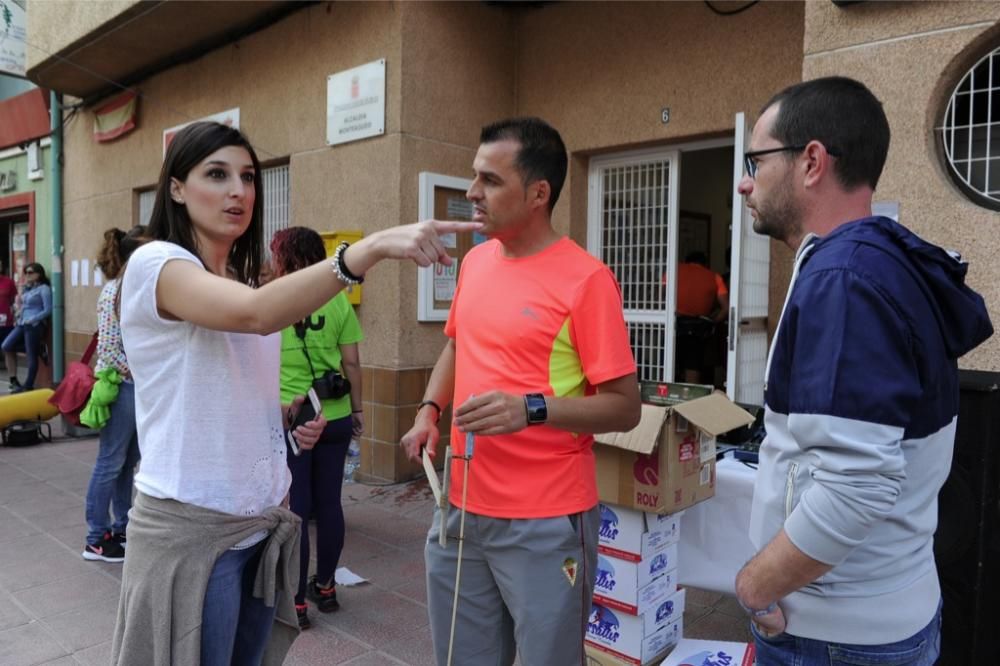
526	588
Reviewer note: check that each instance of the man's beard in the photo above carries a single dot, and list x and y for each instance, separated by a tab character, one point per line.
780	216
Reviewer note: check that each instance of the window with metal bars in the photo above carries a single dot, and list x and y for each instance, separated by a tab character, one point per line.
970	132
633	240
276	203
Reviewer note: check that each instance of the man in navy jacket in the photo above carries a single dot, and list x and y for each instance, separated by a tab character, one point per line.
861	394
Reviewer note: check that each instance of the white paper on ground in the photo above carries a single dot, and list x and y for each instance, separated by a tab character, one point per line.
346	577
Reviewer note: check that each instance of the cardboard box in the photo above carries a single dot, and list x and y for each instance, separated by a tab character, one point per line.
612	641
702	653
636	587
667	462
671	393
634	535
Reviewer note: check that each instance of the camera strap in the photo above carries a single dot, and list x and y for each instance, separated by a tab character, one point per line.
300	331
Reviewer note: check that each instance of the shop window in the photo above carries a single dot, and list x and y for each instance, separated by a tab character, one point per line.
971	132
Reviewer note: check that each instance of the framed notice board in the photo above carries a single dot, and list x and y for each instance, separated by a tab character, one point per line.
443	198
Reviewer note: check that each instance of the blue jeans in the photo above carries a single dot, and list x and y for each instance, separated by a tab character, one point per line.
32	336
111	481
920	649
317	481
235	625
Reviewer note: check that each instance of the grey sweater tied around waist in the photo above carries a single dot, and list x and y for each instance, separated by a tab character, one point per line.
172	549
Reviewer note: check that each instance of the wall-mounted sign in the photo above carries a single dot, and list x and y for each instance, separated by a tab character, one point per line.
443	198
230	118
355	103
8	181
13	31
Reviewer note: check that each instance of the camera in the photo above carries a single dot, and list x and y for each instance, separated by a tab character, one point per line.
331	385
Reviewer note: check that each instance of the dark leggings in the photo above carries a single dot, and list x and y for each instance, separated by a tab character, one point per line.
32	334
317	479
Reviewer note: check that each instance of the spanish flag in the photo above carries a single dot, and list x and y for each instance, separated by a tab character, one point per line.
116	117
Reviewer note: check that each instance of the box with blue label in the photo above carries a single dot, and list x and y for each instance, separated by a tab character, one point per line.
636	587
711	653
636	640
634	535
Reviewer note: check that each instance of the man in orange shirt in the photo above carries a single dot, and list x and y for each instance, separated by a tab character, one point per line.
538	359
702	301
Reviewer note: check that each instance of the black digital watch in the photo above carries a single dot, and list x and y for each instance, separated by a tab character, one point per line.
535	408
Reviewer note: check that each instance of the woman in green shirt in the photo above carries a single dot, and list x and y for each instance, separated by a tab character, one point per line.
321	352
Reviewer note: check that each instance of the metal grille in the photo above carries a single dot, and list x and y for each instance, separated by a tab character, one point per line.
752	359
276	203
146	201
648	345
971	132
755	265
634	242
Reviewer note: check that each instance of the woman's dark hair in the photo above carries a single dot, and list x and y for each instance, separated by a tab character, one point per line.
118	246
170	220
295	248
38	269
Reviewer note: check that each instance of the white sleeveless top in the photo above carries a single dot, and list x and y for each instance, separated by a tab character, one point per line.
206	402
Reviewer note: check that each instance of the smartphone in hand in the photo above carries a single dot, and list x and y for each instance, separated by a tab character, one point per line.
307	412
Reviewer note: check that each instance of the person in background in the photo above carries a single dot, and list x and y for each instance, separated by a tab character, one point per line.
36	308
702	302
320	351
8	294
118	453
212	551
861	394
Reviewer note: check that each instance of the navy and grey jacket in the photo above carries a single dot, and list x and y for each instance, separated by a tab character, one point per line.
861	400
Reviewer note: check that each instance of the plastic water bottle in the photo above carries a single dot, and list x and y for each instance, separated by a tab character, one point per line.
352	461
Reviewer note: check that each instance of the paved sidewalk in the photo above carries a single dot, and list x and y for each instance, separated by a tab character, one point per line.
58	609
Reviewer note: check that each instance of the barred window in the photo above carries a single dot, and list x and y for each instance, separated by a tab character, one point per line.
970	132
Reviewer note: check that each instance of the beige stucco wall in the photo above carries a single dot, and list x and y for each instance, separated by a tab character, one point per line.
912	55
281	94
55	24
601	73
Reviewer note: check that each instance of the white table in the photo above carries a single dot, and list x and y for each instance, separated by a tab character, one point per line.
715	543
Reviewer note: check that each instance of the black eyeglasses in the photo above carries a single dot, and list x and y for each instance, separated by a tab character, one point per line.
750	158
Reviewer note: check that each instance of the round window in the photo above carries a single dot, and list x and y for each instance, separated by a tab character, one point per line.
971	132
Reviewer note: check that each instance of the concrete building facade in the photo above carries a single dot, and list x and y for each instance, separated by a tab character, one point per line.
646	96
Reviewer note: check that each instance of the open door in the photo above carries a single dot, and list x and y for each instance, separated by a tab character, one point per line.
751	258
632	227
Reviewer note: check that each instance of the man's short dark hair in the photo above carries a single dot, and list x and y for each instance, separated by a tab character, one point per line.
844	116
542	155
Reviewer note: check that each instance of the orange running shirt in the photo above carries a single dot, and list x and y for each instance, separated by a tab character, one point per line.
550	323
697	288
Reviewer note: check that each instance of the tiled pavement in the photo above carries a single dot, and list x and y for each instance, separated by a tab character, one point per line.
58	609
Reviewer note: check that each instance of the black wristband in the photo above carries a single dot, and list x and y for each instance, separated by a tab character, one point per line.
342	265
433	404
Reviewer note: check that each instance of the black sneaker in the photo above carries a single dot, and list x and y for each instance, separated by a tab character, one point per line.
302	611
119	538
13	384
105	550
325	597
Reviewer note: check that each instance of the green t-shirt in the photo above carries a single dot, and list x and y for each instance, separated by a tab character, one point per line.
332	325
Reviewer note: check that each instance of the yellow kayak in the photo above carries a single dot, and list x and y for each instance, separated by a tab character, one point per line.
30	405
